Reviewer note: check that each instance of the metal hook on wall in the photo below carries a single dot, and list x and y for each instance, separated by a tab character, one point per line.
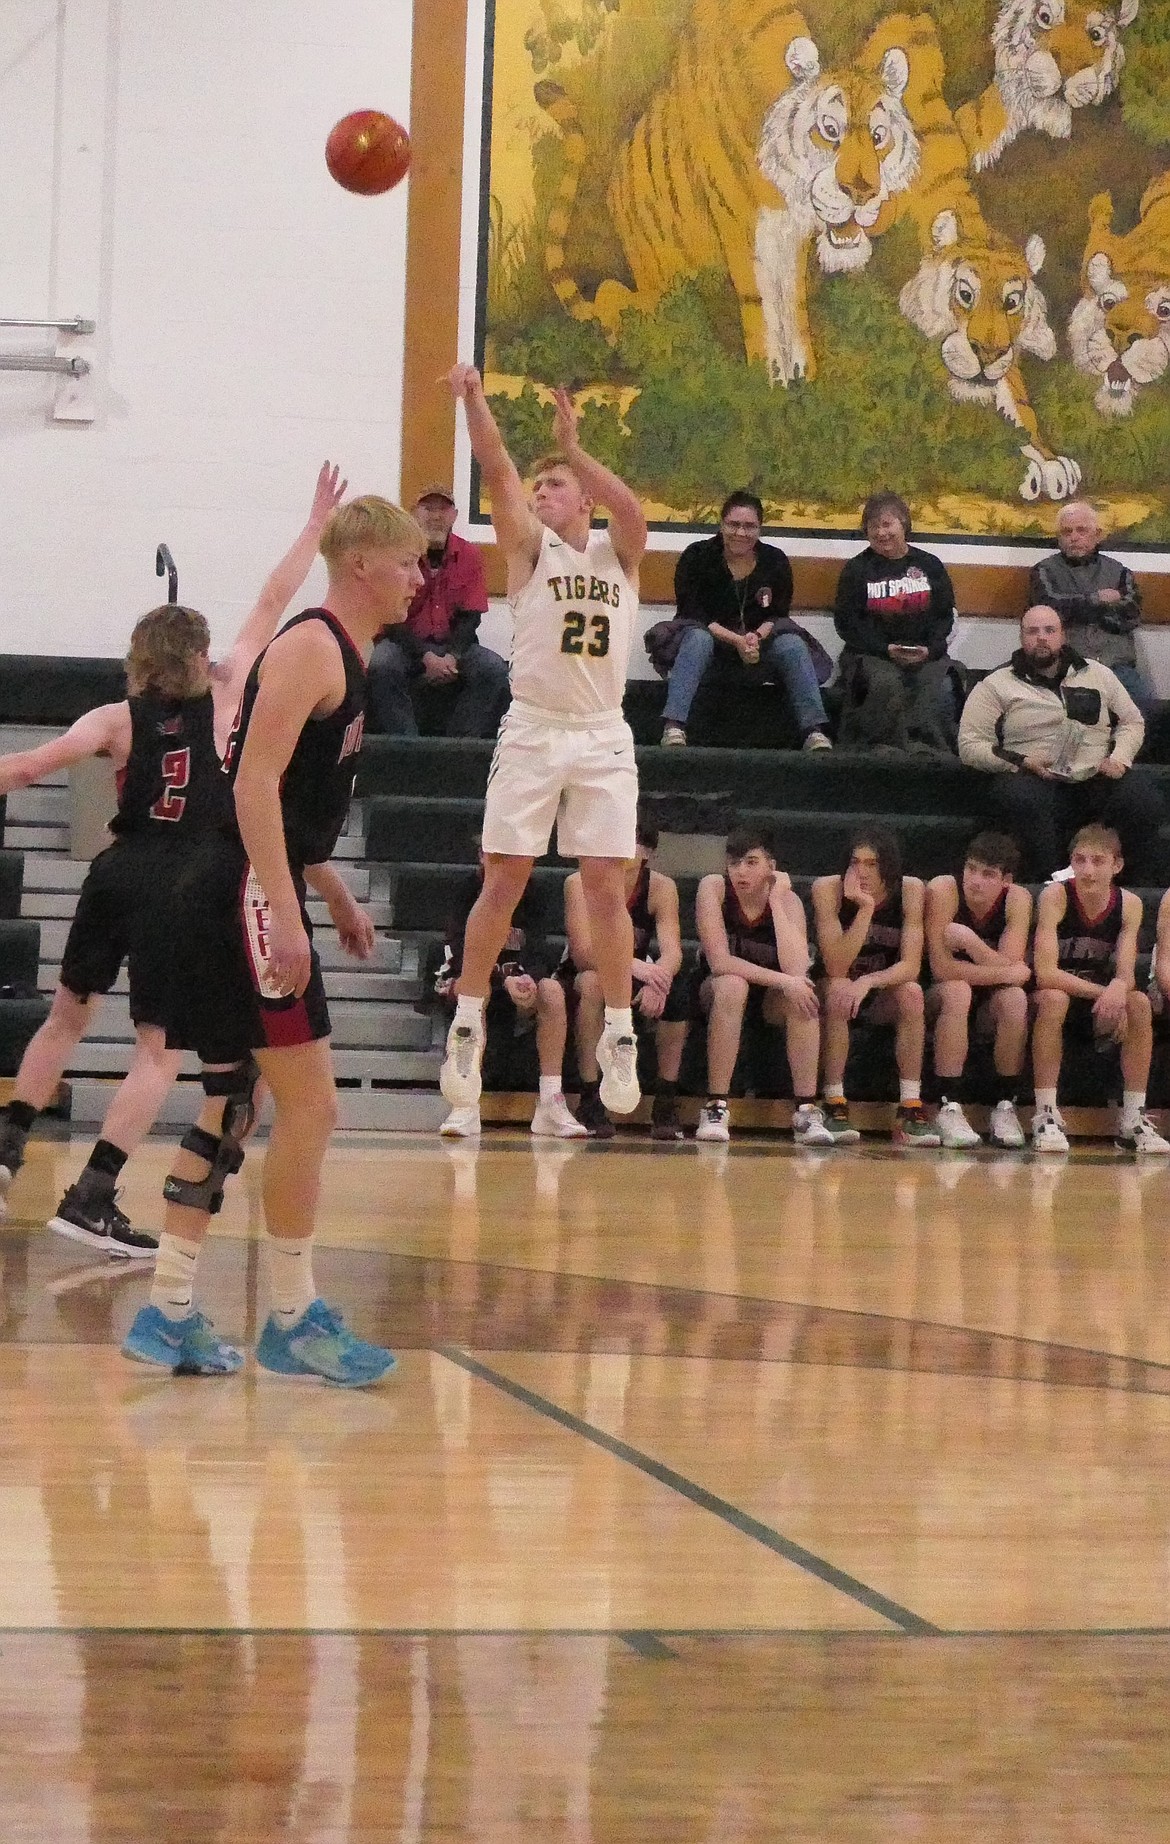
165	563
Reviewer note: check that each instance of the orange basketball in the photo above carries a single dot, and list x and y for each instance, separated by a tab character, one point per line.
368	152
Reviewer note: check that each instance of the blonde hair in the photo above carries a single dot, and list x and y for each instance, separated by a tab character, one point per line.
165	648
370	523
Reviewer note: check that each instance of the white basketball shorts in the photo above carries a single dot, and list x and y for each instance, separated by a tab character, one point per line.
578	772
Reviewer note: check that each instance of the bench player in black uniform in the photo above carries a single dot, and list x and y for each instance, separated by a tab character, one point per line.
661	994
166	741
977	938
754	950
869	936
248	994
1085	955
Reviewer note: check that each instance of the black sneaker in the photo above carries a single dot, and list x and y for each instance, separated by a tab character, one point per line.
664	1121
89	1213
591	1113
12	1144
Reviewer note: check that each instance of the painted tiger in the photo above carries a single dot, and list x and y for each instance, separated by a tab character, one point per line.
1051	57
686	186
976	293
1119	330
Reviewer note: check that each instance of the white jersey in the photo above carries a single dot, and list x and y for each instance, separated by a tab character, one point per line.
573	629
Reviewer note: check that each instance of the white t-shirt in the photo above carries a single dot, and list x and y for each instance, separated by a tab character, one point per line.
573	625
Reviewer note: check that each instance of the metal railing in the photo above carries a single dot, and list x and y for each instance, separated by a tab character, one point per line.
74	367
76	325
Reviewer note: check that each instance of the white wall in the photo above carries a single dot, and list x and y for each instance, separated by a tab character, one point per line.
250	312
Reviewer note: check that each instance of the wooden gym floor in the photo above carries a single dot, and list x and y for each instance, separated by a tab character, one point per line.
721	1497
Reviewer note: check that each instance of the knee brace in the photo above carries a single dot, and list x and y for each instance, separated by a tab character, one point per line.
223	1152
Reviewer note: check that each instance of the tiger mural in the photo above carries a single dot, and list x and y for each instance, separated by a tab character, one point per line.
1119	330
1051	57
976	294
686	186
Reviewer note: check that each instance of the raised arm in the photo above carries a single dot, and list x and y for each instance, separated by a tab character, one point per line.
908	965
517	526
104	731
627	521
839	946
261	623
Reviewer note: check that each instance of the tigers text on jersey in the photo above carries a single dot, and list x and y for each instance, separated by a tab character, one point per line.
573	629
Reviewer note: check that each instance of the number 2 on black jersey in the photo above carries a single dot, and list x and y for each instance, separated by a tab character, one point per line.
573	635
176	772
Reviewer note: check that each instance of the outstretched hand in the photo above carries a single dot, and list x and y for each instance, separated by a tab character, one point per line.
465	382
564	421
328	494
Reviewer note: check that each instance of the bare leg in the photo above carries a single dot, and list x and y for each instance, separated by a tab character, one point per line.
48	1053
910	1034
488	924
603	882
835	1036
305	1098
590	1017
552	1027
802	1042
951	1029
1048	1037
1009	1009
728	997
143	1089
670	1041
1138	1044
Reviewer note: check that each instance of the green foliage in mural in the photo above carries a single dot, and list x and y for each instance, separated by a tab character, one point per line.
1146	84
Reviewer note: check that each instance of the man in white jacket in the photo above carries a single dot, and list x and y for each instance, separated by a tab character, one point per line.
1058	734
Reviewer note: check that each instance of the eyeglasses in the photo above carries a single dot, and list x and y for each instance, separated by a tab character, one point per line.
745	525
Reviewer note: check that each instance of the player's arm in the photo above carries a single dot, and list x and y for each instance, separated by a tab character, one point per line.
354	927
942	906
577	925
667	927
1125	965
839	946
717	948
627	521
302	675
1162	946
1046	948
516	525
1004	965
908	965
261	624
104	731
791	929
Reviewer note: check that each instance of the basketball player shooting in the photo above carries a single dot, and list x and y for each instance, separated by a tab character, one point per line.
565	752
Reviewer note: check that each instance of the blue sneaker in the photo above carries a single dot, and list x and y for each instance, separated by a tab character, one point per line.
319	1345
189	1347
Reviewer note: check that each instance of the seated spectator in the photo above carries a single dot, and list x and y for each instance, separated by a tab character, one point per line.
437	644
977	939
869	936
1096	597
737	592
524	997
894	610
1085	954
661	996
754	952
1058	734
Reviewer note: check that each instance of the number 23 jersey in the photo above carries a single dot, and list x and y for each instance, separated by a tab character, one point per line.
573	629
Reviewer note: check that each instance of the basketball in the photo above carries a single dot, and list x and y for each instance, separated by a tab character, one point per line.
368	152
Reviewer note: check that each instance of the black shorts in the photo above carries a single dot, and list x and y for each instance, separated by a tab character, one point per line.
219	1006
679	1007
124	913
1080	1026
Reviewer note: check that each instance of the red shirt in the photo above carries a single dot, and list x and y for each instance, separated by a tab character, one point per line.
456	582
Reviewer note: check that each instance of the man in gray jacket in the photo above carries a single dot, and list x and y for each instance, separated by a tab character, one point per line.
1058	734
1096	597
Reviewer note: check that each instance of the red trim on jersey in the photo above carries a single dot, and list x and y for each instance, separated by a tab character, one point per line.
1093	922
285	1025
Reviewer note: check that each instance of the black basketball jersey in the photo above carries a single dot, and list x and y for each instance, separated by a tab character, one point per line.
882	947
992	925
317	786
748	940
1089	948
172	785
638	904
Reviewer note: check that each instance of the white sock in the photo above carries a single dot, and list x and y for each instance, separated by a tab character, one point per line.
174	1276
291	1287
469	1011
835	1094
619	1023
550	1088
1133	1102
1046	1100
909	1091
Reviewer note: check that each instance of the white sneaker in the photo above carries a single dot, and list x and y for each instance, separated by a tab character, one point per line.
954	1129
617	1059
674	737
808	1126
462	1124
816	739
714	1121
1142	1138
1048	1136
459	1078
553	1121
1005	1126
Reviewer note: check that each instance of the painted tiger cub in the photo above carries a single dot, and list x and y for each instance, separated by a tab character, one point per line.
1119	330
686	185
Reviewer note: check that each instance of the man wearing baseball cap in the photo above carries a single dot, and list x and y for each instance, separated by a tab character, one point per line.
438	644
